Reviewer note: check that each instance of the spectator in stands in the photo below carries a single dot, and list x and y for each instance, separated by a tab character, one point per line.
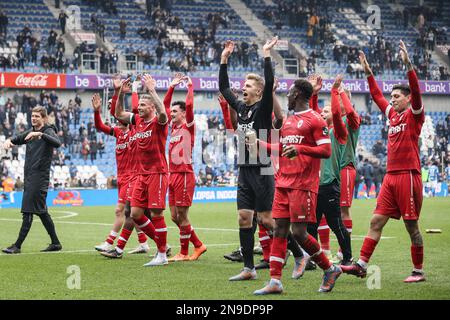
85	149
8	184
123	28
93	147
379	150
367	175
378	175
62	19
4	23
18	185
15	152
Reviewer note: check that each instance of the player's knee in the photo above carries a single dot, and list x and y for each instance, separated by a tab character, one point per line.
120	212
376	225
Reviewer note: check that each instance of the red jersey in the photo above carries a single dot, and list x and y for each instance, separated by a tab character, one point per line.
404	128
182	137
304	128
150	150
122	152
403	139
181	146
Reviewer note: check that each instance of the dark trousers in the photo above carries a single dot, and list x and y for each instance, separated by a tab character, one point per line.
27	221
328	203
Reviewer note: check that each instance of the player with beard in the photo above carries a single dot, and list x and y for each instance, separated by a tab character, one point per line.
151	186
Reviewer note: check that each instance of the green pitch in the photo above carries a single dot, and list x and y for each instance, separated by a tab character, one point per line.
32	275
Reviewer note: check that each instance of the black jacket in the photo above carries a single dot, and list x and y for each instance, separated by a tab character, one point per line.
38	156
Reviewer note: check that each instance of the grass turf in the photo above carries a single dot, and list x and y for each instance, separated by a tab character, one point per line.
33	275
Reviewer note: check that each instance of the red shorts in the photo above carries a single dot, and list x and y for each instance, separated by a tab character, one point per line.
298	205
348	177
181	189
150	191
131	184
123	186
400	196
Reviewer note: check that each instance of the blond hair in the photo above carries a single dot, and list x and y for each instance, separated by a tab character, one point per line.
41	110
257	78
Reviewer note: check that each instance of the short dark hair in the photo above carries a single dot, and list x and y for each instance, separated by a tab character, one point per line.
305	88
404	88
181	104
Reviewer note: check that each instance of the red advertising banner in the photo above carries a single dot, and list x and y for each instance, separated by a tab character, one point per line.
32	80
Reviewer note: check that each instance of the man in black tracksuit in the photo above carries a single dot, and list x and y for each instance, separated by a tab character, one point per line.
40	141
255	182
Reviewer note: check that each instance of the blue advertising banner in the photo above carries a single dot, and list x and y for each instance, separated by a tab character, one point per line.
77	198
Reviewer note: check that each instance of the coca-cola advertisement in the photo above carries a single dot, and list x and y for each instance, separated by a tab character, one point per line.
32	80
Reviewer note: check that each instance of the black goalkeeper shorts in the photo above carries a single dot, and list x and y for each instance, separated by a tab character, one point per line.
255	190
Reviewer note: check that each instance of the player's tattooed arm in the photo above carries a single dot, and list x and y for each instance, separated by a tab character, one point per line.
150	84
120	113
405	57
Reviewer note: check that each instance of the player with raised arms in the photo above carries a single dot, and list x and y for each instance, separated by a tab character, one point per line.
401	193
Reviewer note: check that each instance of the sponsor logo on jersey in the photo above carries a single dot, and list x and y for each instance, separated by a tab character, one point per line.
292	139
175	139
245	127
122	146
141	135
396	129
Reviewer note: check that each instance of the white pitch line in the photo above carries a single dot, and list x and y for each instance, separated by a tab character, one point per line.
94	251
354	237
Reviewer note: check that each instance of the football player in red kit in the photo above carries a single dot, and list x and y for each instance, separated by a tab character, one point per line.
401	192
182	178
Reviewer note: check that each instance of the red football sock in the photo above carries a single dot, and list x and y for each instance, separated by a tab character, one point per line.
277	257
417	256
348	224
194	238
146	226
265	239
142	238
185	235
123	238
111	237
161	233
367	249
312	247
324	234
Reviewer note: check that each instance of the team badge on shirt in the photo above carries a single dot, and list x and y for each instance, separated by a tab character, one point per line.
300	123
325	131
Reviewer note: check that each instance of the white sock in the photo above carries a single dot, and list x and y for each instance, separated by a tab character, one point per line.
276	281
162	255
362	263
